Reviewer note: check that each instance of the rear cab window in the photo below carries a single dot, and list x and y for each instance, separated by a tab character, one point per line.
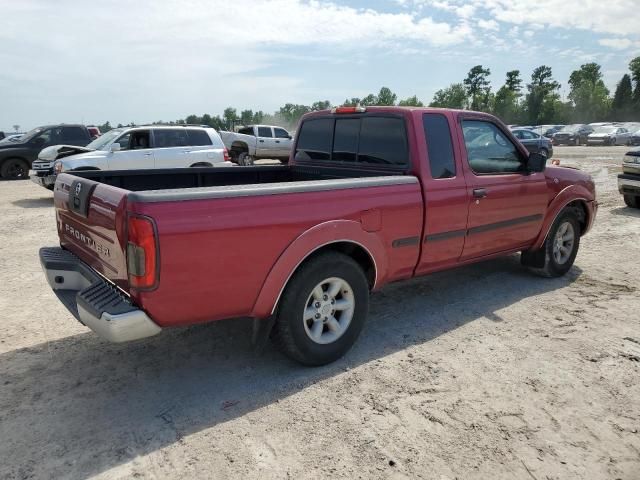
377	139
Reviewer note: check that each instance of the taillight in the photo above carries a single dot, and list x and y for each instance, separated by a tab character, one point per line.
349	110
142	253
227	157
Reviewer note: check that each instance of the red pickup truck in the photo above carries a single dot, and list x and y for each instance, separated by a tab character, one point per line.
370	196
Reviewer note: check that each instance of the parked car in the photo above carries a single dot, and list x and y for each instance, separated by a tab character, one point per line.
370	196
13	137
16	157
257	141
134	148
635	138
547	130
629	179
533	142
575	134
609	135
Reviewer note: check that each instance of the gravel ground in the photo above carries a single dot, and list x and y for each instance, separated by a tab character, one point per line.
482	372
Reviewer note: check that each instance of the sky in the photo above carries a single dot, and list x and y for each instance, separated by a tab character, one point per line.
123	61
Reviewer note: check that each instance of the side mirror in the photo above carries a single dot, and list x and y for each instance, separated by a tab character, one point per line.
536	162
289	137
114	147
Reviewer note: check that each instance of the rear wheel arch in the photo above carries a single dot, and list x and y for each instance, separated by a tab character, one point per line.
201	164
343	236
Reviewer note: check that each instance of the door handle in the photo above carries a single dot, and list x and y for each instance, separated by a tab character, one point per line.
147	154
261	141
277	141
479	193
186	151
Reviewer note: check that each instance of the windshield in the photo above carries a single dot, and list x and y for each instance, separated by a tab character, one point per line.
604	130
104	140
30	134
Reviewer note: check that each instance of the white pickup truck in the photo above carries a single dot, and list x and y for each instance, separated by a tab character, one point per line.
255	142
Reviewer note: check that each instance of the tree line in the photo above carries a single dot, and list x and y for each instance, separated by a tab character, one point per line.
536	103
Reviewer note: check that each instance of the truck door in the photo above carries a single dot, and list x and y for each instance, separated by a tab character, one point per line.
507	203
444	191
282	141
265	143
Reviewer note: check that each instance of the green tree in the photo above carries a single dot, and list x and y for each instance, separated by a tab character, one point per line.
479	88
369	100
589	94
291	112
353	102
634	66
507	98
543	101
206	119
622	104
230	116
320	105
193	120
454	96
246	117
411	102
105	127
258	117
386	97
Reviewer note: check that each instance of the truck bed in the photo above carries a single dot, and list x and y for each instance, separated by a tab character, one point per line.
230	226
179	178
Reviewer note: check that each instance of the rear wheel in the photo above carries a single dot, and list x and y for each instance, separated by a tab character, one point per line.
245	159
14	169
322	310
561	246
544	152
632	201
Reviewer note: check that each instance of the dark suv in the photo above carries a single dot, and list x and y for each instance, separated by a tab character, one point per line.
16	157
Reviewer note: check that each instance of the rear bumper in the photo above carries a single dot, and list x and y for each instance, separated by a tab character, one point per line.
92	300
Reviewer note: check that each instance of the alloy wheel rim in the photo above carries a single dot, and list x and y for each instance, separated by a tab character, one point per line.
328	310
563	243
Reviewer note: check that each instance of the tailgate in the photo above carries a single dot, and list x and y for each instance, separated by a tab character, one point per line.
91	220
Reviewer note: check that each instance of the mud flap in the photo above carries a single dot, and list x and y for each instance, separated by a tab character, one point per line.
535	258
261	330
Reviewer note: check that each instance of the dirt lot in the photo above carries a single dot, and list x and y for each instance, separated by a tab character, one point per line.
483	372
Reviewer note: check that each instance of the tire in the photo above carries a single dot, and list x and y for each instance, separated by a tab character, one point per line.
14	169
567	221
245	159
293	334
632	201
544	152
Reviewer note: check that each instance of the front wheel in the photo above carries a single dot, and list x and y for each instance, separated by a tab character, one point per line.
632	201
322	310
14	169
544	152
561	246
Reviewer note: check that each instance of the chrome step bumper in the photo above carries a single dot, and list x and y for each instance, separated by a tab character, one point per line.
92	300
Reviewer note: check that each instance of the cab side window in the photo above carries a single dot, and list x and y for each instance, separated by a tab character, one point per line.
281	133
124	141
489	151
265	132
